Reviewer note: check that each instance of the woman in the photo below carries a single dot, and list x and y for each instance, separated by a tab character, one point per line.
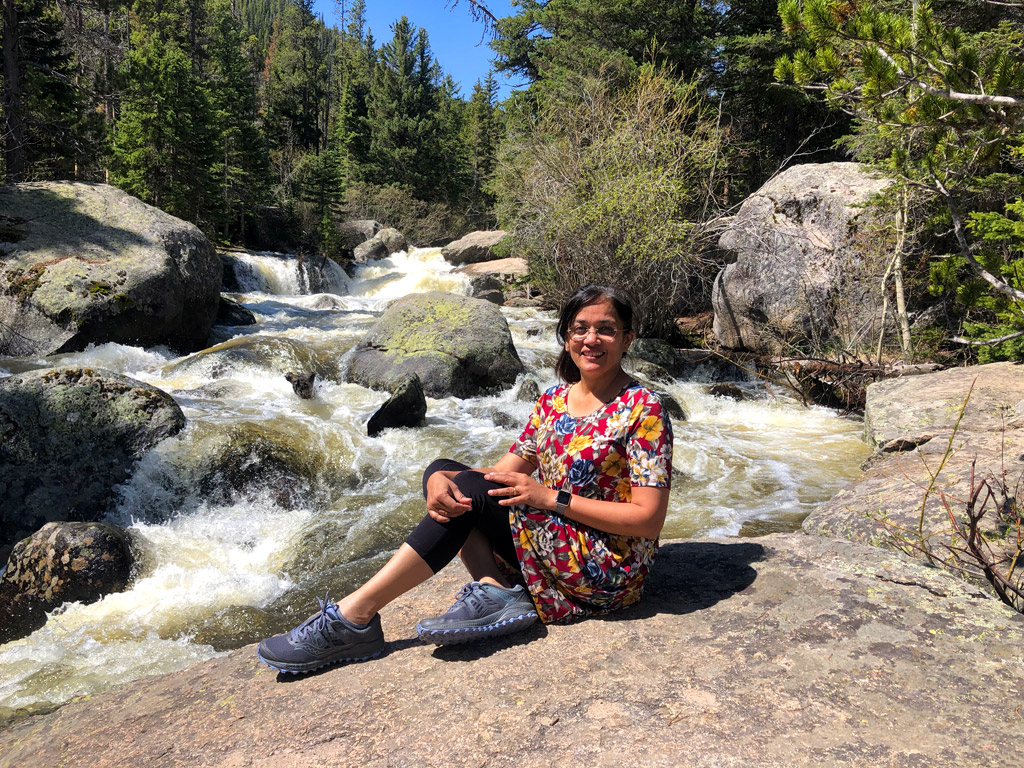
581	537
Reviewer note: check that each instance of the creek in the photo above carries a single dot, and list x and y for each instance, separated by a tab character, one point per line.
266	500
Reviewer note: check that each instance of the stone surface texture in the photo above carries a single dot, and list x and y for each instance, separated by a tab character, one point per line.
67	437
473	248
922	470
60	563
789	650
456	345
803	269
87	263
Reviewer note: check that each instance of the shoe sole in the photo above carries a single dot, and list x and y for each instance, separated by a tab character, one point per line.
277	666
458	635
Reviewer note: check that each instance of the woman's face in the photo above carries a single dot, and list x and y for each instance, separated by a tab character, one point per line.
596	340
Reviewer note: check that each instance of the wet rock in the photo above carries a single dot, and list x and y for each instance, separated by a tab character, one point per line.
646	370
488	288
265	353
302	383
656	351
407	407
675	410
245	460
60	563
457	346
800	264
528	391
473	248
728	390
91	264
793	650
67	437
506	420
231	313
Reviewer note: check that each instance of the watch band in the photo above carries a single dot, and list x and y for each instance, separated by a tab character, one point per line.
562	501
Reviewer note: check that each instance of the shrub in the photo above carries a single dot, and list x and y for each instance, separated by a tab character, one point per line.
616	186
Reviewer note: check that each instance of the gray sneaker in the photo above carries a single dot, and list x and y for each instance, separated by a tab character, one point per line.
324	638
480	610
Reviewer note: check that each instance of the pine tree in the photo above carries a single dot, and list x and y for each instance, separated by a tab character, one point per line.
241	167
45	129
165	144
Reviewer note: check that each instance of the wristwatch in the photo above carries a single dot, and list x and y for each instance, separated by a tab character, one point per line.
562	502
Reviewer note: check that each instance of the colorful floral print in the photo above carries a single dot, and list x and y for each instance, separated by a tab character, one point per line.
571	569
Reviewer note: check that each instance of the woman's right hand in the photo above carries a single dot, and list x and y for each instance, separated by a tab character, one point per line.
444	499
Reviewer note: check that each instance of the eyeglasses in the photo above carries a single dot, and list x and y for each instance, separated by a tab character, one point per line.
603	332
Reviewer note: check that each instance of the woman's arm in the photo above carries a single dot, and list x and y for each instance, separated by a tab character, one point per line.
643	515
445	500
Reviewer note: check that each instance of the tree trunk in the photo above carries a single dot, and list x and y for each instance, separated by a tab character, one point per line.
14	126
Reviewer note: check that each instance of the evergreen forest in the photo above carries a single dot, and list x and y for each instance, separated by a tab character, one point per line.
637	127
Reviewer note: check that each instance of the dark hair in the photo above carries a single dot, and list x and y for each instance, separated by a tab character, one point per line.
588	294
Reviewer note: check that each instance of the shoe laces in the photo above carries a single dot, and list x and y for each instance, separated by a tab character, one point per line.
472	593
317	623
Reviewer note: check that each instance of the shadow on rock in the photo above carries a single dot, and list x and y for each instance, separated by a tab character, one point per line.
692	575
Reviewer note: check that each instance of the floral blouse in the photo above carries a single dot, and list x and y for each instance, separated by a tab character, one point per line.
571	569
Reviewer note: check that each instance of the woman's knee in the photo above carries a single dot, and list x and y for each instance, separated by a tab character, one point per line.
441	465
472	483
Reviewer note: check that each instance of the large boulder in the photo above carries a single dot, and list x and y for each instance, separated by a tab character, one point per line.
60	563
456	345
474	247
87	263
802	271
67	437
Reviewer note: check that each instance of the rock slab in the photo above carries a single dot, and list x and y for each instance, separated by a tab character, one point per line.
801	272
456	345
87	263
67	437
791	650
925	460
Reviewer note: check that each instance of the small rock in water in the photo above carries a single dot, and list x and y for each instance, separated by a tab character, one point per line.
407	407
725	389
528	391
302	383
505	420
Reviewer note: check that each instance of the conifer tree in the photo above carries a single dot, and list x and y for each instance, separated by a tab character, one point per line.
165	144
44	130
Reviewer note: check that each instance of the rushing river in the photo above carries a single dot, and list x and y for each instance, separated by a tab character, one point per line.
266	500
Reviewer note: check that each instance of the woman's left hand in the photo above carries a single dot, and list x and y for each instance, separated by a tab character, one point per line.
521	489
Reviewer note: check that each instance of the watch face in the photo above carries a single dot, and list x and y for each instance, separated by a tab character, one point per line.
563	498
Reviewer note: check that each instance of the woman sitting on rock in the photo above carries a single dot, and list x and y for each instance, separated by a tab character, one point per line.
581	536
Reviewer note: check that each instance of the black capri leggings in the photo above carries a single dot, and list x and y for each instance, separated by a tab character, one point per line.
439	543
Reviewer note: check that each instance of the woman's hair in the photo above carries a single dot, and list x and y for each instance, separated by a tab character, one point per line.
588	294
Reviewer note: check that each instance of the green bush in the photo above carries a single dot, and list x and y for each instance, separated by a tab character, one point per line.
618	186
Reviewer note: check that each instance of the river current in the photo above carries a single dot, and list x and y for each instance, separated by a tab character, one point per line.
266	500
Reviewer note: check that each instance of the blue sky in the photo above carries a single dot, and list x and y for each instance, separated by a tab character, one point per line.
458	42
